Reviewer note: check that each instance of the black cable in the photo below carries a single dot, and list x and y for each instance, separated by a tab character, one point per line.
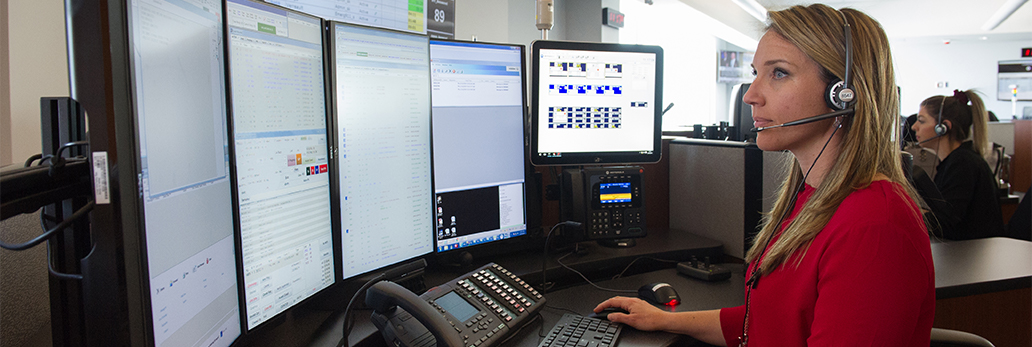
628	267
549	305
544	258
61	275
560	261
45	235
34	157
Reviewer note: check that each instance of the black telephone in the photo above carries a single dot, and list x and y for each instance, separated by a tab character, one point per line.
608	201
477	309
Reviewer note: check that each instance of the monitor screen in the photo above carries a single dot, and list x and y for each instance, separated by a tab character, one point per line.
479	157
406	15
280	156
1014	80
180	108
382	111
595	103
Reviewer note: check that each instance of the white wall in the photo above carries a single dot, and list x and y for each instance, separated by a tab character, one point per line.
966	64
38	67
689	39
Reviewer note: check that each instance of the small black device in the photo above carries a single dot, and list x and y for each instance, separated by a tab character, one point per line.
659	294
609	201
703	270
479	308
574	330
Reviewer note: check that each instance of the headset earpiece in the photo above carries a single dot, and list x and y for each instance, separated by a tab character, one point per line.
837	95
940	127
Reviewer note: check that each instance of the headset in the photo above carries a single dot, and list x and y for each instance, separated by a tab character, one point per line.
839	94
940	127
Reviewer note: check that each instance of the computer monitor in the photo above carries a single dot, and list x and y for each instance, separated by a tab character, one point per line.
179	100
280	156
405	15
478	132
595	103
381	82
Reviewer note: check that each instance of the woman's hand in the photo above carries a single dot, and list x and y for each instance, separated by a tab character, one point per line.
640	314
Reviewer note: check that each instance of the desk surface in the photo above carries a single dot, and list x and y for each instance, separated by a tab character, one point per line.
571	291
970	267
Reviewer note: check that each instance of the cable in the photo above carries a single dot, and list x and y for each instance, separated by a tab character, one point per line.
45	235
560	261
544	258
34	157
549	305
61	275
628	267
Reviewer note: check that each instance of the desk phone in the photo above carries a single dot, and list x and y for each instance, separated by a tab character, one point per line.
477	309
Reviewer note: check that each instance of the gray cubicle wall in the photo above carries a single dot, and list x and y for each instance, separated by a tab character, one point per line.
718	189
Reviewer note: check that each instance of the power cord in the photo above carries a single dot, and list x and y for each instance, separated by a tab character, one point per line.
544	259
560	261
628	267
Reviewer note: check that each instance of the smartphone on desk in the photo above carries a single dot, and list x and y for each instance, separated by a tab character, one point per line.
477	309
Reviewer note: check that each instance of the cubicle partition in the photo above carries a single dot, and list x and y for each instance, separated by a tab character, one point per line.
718	189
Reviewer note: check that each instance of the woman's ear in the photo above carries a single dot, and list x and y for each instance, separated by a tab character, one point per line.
948	124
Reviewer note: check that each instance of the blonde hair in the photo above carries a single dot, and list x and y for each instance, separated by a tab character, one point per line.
969	121
868	147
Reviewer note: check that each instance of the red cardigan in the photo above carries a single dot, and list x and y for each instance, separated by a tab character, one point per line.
867	279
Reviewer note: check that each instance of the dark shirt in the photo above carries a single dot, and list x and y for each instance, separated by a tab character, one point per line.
966	205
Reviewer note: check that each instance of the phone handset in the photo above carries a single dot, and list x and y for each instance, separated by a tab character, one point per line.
385	296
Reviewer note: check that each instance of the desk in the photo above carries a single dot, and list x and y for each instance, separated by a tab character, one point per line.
596	261
984	287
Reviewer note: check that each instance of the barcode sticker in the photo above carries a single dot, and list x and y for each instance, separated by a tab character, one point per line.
101	190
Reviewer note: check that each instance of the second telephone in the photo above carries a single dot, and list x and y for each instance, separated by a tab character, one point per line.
608	201
477	309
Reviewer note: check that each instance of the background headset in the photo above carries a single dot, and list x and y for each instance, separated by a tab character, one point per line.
940	127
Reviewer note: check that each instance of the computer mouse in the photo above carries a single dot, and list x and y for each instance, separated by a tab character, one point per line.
659	294
604	314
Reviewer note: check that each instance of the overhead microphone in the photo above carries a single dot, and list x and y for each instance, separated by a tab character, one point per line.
808	120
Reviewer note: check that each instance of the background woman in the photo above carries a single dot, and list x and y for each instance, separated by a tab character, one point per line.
964	203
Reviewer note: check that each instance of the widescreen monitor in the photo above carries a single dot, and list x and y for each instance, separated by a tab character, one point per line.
381	82
280	156
1014	80
595	103
478	142
179	100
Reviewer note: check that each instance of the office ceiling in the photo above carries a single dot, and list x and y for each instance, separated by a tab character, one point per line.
930	19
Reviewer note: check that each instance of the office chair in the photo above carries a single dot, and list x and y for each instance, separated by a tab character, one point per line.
954	338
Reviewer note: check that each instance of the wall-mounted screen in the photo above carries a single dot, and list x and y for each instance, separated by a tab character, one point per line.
1014	80
405	15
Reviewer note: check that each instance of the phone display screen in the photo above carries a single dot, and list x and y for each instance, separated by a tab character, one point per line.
457	306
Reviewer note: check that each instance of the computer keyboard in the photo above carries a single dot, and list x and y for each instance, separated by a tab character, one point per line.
579	331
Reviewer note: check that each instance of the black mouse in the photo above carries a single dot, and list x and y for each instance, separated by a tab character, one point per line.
604	314
659	294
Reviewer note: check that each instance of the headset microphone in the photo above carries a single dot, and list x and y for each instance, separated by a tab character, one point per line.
839	94
846	112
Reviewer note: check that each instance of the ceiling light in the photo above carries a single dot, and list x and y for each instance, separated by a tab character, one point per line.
1001	15
754	9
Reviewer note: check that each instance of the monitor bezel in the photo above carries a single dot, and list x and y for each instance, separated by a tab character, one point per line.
238	234
331	53
594	158
493	247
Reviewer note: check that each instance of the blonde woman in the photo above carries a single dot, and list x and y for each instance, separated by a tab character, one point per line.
844	256
963	203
